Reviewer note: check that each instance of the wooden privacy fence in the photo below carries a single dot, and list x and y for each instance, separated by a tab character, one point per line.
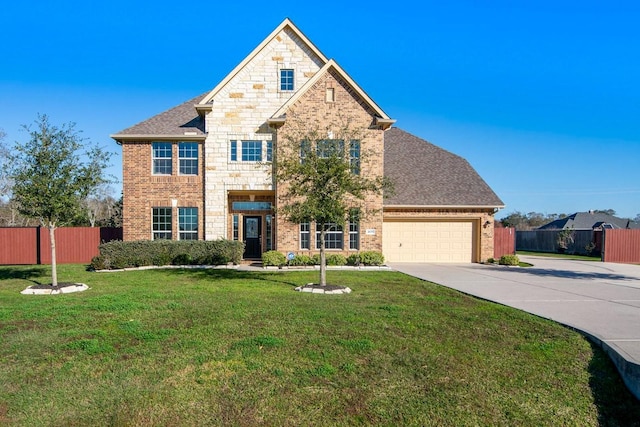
74	245
504	242
621	246
547	241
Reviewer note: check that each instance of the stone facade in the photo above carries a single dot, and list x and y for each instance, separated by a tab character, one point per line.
239	112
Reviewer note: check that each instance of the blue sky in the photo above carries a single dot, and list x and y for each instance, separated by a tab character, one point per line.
542	98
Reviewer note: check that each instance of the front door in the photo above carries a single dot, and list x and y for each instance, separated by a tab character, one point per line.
252	227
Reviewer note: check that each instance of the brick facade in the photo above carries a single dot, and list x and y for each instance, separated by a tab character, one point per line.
143	191
313	111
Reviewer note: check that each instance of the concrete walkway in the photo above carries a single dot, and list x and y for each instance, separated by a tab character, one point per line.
600	299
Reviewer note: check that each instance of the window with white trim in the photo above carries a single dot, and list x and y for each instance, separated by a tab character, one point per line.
269	151
354	230
286	80
161	158
188	223
161	223
247	151
236	228
333	238
354	156
269	232
305	235
188	158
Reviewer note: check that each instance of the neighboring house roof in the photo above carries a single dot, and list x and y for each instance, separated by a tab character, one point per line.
427	176
588	221
181	122
381	117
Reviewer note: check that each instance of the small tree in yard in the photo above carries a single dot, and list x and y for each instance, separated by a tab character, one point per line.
318	176
52	173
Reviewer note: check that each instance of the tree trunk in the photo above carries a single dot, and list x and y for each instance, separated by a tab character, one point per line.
323	259
54	267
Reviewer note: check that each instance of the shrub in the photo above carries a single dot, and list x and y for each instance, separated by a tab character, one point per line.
509	260
315	259
371	258
301	260
353	259
119	254
273	258
490	260
336	259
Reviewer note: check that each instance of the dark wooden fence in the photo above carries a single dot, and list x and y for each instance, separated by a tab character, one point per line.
612	245
504	242
74	245
621	246
547	241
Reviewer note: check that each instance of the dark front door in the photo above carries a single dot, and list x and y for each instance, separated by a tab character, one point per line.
252	230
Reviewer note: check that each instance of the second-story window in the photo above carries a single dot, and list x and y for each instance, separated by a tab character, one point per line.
286	80
161	158
246	151
188	158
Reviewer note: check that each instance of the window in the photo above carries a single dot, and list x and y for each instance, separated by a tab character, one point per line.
330	147
251	206
250	151
234	151
354	230
305	150
161	156
286	79
332	238
161	223
235	227
269	151
305	236
354	157
188	158
188	223
269	233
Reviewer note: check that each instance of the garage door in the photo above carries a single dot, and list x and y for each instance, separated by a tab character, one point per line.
428	241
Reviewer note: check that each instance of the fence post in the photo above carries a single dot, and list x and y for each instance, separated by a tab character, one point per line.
38	246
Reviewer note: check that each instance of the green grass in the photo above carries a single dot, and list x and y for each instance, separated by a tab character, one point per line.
563	256
219	347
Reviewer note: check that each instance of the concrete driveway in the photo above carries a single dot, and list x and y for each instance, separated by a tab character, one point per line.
600	299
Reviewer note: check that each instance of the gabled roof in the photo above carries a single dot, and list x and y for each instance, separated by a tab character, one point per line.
178	122
425	175
332	65
588	221
285	24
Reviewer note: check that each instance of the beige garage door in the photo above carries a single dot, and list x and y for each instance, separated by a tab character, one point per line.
428	241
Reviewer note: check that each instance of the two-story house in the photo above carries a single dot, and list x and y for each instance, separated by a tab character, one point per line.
201	170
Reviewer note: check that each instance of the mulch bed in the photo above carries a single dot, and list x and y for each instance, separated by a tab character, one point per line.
48	285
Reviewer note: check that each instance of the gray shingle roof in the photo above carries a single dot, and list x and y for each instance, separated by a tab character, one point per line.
426	175
175	121
588	221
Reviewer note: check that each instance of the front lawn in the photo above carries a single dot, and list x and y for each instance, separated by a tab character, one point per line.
220	347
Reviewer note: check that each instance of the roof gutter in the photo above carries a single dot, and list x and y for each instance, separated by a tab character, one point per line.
443	206
120	138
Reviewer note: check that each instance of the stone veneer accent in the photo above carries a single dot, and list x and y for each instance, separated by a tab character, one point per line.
240	110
